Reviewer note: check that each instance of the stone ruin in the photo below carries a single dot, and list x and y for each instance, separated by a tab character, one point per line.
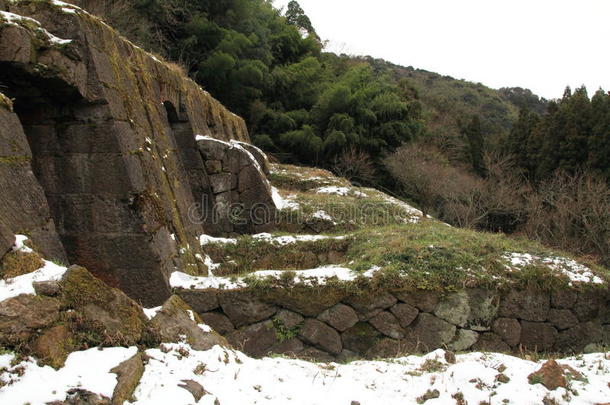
99	162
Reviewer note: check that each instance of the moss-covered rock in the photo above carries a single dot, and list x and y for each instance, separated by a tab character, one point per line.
107	312
22	316
16	264
54	346
177	320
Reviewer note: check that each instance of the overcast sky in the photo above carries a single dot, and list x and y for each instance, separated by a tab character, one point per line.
542	45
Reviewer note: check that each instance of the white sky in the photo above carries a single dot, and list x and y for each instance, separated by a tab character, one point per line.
542	45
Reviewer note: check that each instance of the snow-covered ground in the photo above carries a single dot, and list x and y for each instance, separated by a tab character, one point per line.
576	272
231	378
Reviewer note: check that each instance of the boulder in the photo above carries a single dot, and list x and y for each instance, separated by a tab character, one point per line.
529	305
112	313
218	321
405	313
426	301
454	308
321	335
360	338
562	318
563	298
538	336
54	346
200	300
508	329
490	342
288	319
176	321
128	374
340	317
244	308
428	333
588	305
368	305
484	306
22	316
290	347
386	348
463	340
255	340
47	288
578	337
387	324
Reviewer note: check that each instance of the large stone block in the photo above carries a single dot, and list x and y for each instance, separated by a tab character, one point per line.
429	333
340	317
538	336
244	308
321	335
529	305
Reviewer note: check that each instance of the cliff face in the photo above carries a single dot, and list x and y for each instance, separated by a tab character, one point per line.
98	159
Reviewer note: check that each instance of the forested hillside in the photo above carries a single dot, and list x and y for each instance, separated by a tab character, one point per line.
501	160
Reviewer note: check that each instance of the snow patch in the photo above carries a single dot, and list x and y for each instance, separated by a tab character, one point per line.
17	20
151	312
323	215
283	203
207	240
576	272
88	370
288	240
342	191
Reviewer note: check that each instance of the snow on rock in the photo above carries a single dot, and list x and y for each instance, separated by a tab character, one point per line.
231	377
576	272
28	383
288	240
16	19
151	312
24	284
323	215
316	276
342	191
207	240
282	203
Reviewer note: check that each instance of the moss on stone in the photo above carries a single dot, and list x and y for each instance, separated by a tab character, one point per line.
16	264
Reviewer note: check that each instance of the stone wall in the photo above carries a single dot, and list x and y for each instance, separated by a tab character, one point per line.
327	323
112	136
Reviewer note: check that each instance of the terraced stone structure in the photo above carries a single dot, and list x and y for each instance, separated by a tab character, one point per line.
98	159
328	323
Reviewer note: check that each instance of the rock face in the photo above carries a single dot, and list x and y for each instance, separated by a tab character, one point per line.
98	157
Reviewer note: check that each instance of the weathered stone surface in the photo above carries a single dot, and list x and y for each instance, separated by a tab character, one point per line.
255	340
577	338
288	319
23	315
508	329
290	347
319	334
218	321
194	388
484	306
587	305
429	332
538	336
303	301
490	342
386	348
405	313
177	320
529	305
200	300
367	306
340	317
426	301
115	314
221	182
314	354
455	308
245	308
48	288
464	339
562	318
360	337
54	346
563	298
387	324
128	374
259	155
